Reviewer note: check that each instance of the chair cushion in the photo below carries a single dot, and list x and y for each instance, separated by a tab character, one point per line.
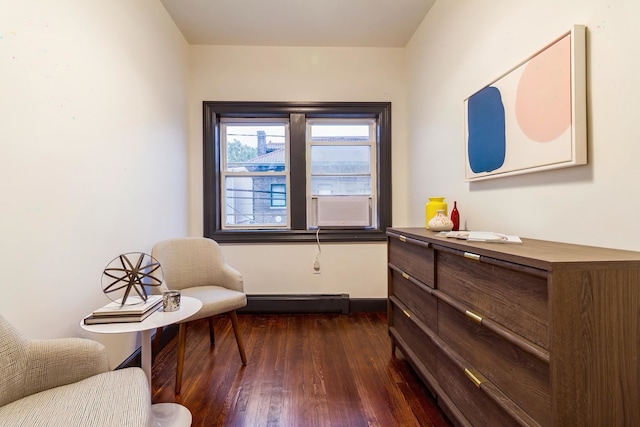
114	398
215	300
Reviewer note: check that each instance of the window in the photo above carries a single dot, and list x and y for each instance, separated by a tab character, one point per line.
342	153
267	166
278	195
254	165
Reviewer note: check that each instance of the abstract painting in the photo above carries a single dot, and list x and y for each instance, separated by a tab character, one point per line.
533	117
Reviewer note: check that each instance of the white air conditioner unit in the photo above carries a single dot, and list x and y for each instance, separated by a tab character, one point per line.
343	211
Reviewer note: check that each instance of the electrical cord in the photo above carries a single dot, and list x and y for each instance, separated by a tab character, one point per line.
316	261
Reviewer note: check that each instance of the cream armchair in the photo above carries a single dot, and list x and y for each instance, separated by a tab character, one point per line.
67	382
196	267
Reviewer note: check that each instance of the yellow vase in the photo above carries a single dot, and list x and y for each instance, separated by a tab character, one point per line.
435	204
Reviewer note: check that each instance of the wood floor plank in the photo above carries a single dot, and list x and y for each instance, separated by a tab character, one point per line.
315	370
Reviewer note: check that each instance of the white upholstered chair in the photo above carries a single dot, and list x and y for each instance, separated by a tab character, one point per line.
196	267
67	382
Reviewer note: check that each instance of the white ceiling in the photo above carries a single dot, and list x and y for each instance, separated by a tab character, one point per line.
349	23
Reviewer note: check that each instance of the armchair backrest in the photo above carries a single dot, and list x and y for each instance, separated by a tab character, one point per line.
191	261
13	362
28	366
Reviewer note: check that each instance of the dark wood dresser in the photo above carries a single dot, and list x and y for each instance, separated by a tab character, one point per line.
537	334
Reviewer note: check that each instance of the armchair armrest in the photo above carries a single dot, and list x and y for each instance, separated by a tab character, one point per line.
231	278
55	362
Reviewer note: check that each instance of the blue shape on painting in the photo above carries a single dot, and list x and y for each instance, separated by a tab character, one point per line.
487	141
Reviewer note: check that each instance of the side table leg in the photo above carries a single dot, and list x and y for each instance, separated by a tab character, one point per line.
145	353
163	414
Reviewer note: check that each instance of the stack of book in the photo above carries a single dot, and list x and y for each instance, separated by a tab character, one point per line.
135	310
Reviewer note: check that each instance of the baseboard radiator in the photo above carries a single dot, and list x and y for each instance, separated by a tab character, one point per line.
312	303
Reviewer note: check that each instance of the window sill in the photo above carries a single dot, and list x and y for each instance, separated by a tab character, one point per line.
298	236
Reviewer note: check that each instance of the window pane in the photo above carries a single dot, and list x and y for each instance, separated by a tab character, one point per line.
248	201
255	147
340	159
340	185
344	132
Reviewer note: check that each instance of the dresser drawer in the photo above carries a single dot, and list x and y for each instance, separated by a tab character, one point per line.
508	294
417	347
517	373
477	408
412	258
416	296
414	333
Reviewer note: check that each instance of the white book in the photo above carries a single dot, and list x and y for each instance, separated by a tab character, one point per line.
482	236
123	318
133	306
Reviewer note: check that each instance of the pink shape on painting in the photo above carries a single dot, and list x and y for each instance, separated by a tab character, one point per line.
543	98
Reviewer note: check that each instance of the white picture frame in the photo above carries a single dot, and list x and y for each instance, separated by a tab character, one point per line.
533	117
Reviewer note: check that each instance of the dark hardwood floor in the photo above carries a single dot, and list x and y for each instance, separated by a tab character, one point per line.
303	370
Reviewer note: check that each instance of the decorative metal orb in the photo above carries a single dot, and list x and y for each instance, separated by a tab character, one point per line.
130	274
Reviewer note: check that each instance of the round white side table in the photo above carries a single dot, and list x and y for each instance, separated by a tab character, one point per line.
164	414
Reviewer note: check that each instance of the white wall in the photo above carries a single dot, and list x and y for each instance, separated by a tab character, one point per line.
462	46
226	73
93	161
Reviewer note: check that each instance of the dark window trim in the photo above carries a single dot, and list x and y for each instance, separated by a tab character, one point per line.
297	112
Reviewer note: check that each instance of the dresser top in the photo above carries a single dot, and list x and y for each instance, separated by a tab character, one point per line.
541	254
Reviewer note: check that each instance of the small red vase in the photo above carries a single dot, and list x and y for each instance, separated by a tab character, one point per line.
455	217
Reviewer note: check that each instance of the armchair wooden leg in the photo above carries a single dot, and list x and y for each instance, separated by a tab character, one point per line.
182	339
212	336
236	331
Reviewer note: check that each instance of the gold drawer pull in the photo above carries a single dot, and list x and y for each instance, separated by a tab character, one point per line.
472	256
475	377
473	316
407	313
402	238
405	275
